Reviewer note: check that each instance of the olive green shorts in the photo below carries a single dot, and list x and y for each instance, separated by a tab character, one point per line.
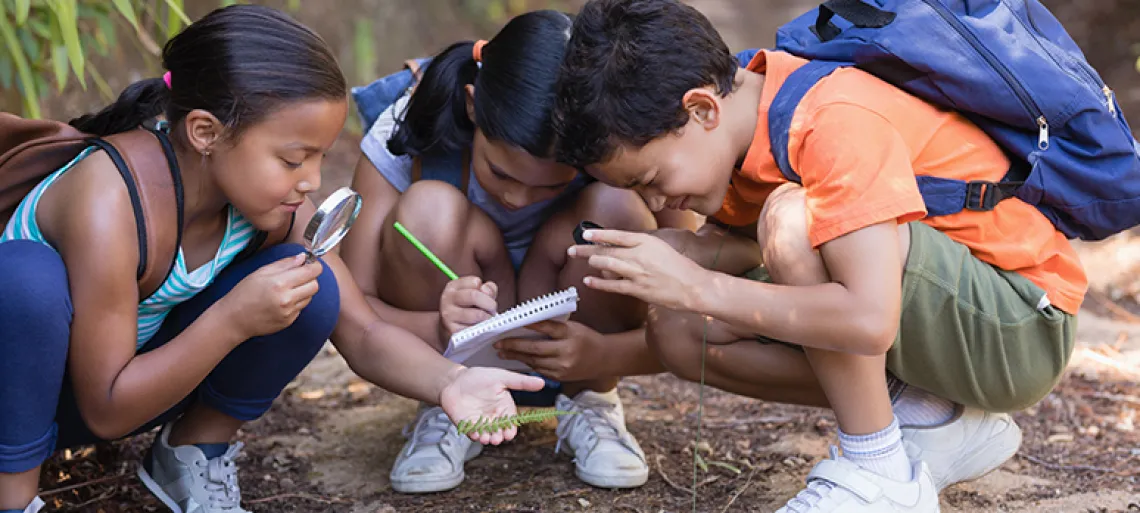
971	332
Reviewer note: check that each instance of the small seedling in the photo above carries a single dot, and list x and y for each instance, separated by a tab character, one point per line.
484	425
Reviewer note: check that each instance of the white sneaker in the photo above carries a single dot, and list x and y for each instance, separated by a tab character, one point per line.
432	459
35	506
186	482
838	485
605	454
969	446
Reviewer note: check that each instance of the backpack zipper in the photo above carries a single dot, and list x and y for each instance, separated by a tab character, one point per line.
1018	90
1109	94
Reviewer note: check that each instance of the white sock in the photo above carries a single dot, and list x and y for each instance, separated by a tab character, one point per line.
881	453
914	406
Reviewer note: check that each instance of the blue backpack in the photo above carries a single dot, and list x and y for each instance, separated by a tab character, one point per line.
1009	67
373	99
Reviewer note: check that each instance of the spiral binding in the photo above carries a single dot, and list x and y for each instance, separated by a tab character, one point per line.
518	313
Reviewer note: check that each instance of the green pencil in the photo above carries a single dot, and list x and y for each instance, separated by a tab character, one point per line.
426	252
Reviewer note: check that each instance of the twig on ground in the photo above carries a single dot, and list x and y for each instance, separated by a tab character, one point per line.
1104	360
740	491
749	422
568	493
1111	305
323	500
668	481
1079	468
106	495
92	482
1118	398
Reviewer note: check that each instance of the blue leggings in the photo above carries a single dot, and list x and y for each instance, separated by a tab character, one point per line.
38	412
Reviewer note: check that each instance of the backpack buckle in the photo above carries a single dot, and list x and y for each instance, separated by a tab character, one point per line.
982	195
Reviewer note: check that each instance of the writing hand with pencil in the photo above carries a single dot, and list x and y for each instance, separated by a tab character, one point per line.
466	301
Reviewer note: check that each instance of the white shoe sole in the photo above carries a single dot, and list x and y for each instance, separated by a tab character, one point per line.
425	484
156	490
602	481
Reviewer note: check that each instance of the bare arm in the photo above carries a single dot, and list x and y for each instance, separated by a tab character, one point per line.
857	312
380	351
360	250
116	390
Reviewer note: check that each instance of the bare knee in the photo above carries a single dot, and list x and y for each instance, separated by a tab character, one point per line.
674	339
435	212
782	233
619	209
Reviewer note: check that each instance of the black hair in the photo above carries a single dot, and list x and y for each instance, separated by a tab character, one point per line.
239	63
514	90
628	66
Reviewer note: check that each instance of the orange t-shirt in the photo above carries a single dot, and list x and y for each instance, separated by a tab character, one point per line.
857	143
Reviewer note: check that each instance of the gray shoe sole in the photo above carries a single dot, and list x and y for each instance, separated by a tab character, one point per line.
436	484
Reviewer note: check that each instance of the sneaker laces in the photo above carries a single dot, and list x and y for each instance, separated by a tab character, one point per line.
430	429
599	425
221	478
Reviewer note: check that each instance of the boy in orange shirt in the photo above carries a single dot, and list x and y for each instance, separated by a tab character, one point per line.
919	332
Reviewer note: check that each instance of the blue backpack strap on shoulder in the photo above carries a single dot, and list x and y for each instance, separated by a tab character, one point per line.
784	107
942	196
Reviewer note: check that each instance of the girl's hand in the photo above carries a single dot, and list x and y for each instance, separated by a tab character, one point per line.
271	298
466	302
574	351
483	392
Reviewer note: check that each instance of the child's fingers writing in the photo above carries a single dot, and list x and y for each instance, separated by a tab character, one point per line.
475	298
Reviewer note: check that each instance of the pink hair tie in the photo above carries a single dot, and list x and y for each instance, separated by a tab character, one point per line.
166	78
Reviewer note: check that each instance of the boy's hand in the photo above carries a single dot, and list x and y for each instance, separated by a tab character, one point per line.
481	392
466	302
642	266
572	353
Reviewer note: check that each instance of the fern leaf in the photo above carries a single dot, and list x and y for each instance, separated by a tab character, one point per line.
485	425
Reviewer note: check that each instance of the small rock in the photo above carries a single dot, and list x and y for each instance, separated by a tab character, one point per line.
286	483
1125	426
1094	431
267	478
304	431
583	502
1059	428
1060	438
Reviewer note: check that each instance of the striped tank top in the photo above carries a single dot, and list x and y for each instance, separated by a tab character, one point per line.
181	285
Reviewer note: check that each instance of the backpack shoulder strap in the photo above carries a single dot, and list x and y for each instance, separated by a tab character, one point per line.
145	159
784	107
30	150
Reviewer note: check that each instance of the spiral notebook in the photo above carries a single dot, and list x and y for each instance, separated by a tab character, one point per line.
472	346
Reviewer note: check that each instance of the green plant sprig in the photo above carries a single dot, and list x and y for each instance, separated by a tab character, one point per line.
485	425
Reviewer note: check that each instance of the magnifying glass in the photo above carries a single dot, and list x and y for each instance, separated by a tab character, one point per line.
331	222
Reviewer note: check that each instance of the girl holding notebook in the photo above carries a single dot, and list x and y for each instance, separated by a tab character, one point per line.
457	151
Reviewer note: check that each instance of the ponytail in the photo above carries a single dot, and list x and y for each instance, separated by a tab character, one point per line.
436	120
515	90
139	102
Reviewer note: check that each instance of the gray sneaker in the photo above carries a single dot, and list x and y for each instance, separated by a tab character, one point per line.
186	482
432	459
